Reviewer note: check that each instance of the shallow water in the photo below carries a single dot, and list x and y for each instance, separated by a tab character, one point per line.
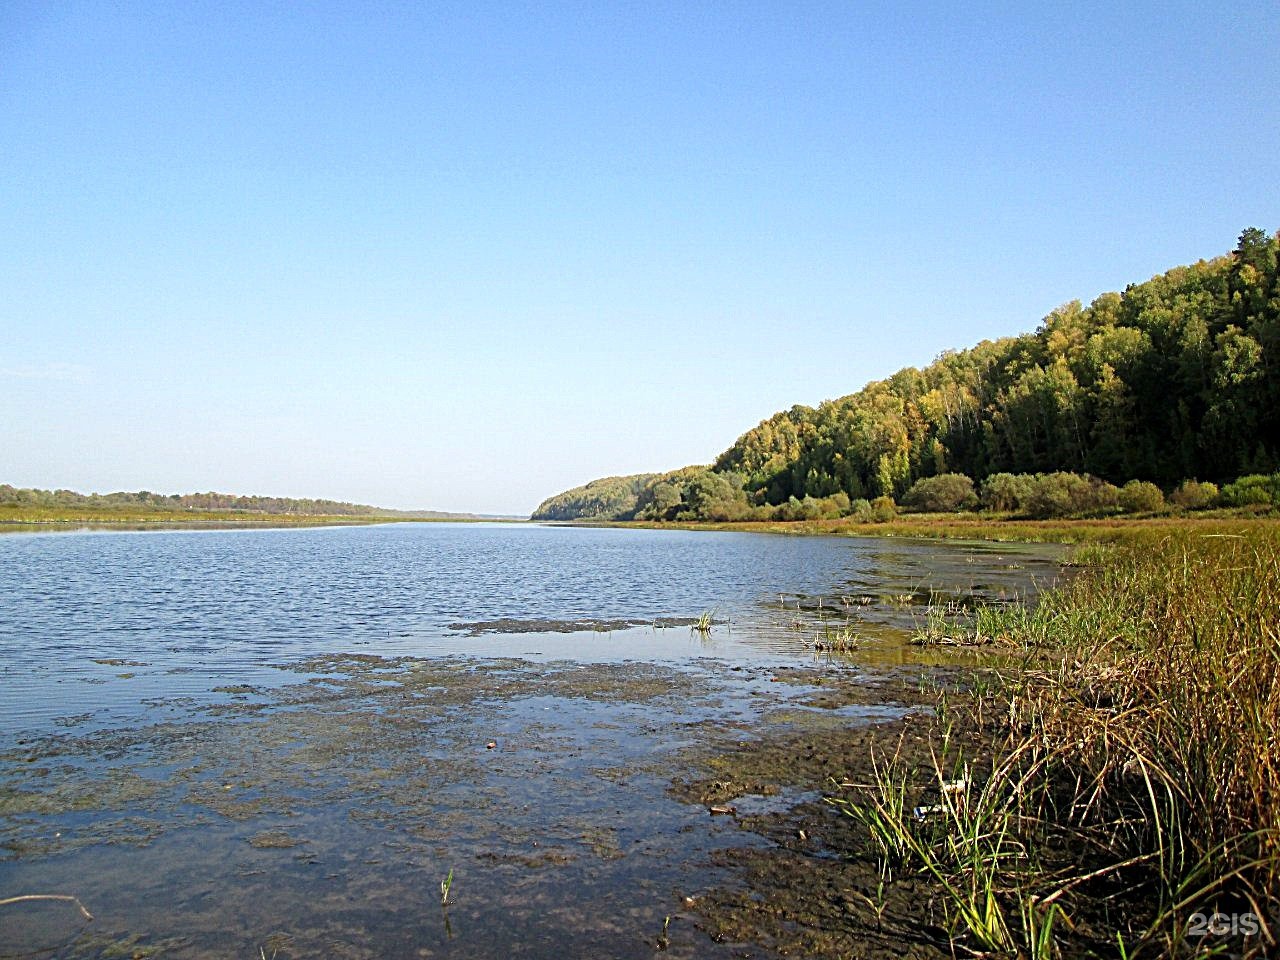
94	626
188	753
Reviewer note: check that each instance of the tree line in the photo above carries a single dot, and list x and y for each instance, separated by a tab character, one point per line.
145	500
1174	381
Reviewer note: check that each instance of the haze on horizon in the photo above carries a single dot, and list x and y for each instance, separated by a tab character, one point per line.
461	257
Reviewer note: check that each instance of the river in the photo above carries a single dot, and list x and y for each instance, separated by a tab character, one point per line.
257	742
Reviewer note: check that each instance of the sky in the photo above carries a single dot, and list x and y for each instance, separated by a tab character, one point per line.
461	256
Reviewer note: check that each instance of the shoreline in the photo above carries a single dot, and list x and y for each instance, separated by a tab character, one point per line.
959	527
231	521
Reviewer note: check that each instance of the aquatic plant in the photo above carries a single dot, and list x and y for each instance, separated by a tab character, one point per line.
840	639
938	628
446	885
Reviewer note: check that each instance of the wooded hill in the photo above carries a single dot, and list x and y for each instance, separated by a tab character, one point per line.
1172	379
606	497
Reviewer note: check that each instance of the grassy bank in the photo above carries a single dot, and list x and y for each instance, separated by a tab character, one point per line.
1119	795
960	526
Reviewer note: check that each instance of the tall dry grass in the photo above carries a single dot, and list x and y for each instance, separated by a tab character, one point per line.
1133	780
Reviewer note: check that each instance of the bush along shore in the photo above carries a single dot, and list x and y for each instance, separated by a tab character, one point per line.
697	495
1116	792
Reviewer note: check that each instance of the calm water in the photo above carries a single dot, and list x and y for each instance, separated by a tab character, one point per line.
183	751
180	612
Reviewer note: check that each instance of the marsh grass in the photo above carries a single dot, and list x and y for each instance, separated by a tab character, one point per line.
938	628
446	887
1123	785
837	639
1003	624
986	527
706	620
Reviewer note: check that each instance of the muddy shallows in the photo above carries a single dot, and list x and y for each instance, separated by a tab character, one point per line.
566	809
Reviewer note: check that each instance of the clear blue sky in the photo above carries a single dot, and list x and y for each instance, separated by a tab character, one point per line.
462	256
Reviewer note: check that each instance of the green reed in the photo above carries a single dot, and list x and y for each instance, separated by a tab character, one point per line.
1132	779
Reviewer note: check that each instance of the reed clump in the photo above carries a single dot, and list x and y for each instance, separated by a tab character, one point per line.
1123	784
837	639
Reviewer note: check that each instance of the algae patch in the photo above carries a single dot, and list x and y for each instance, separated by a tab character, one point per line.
570	801
595	625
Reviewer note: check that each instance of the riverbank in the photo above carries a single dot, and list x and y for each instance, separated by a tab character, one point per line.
58	518
971	527
1113	792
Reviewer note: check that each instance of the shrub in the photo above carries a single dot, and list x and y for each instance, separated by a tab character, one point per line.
1139	496
1007	492
883	509
941	494
1065	494
836	505
1255	490
724	511
793	509
1194	495
861	510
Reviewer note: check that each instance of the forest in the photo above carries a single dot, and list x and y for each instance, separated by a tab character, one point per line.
1165	393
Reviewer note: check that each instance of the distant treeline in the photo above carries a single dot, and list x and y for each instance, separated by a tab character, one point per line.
145	500
1174	379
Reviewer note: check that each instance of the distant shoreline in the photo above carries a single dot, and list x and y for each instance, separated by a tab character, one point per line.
36	519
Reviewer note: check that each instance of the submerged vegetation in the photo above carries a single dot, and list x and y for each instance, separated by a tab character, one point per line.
1172	385
1121	788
